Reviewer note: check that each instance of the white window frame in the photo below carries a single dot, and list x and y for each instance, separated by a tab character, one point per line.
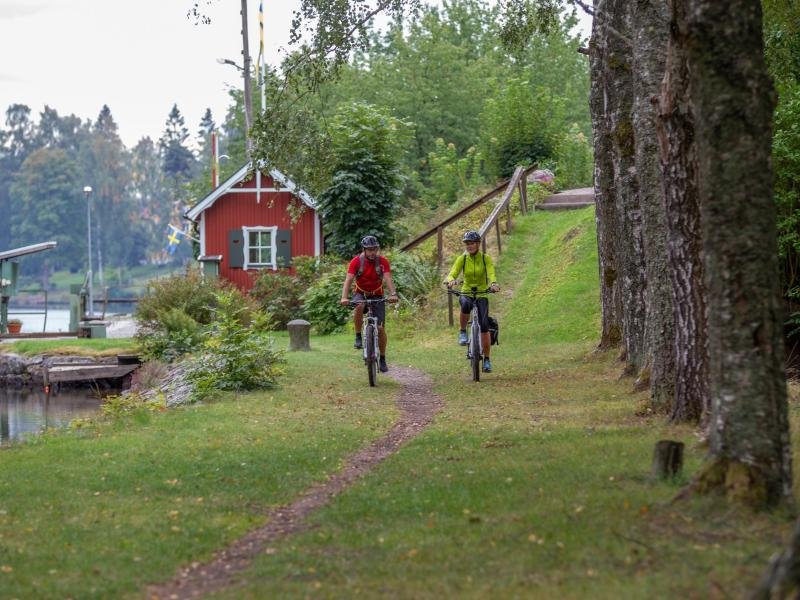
274	247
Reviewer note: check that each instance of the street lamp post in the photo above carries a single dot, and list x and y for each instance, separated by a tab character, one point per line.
88	192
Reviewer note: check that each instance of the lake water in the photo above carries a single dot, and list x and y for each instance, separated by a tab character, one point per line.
27	412
57	318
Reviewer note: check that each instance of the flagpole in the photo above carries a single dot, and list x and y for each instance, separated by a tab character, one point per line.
261	56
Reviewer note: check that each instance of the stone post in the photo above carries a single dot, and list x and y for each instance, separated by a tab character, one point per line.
298	334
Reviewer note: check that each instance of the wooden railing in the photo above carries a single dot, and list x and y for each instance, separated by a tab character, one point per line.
518	180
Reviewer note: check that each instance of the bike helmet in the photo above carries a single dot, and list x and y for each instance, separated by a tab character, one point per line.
369	241
472	236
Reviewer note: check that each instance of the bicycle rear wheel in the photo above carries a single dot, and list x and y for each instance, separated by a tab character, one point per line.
371	355
475	350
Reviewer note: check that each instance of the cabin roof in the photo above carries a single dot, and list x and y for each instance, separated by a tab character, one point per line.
194	212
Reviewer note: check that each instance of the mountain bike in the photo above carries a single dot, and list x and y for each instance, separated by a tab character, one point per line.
369	335
474	342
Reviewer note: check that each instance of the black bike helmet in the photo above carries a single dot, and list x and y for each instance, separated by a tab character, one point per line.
369	241
472	236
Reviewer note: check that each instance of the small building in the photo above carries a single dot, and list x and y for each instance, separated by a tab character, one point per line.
250	223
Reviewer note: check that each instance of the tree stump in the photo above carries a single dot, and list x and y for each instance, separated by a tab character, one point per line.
667	459
298	334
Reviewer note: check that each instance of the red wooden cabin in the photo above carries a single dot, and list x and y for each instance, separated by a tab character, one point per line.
245	225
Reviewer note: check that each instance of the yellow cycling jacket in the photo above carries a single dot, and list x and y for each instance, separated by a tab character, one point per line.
478	271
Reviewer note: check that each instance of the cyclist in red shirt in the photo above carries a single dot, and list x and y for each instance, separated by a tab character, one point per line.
369	272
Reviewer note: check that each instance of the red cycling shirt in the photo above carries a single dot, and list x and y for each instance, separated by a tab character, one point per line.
369	281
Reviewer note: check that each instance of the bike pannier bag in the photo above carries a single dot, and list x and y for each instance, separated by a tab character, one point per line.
494	330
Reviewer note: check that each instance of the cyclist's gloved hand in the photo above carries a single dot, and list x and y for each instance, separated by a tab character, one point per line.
495	288
393	299
344	302
450	284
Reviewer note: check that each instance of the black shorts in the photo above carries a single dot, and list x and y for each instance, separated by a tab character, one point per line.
483	310
378	309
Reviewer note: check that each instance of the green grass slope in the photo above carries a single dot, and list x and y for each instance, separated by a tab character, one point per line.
532	483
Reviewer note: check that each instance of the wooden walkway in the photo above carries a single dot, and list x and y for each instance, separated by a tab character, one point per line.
568	199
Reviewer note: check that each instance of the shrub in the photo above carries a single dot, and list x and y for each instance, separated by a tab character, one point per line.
413	277
520	127
279	295
237	356
321	302
574	160
174	334
188	292
175	312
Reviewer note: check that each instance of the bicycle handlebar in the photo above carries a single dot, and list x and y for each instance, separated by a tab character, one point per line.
472	293
367	301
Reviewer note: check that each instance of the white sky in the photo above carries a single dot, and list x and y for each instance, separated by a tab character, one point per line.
137	56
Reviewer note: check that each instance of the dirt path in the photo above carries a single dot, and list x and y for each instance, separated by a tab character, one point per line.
418	405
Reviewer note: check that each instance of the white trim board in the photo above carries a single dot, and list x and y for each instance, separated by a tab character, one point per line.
228	186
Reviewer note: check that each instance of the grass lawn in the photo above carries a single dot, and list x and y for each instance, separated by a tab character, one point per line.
532	483
99	513
76	347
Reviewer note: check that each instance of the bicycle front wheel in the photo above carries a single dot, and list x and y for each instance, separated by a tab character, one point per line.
371	355
475	351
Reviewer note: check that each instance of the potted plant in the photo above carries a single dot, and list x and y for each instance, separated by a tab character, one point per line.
14	326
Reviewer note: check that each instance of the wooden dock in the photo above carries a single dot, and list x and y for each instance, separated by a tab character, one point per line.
74	372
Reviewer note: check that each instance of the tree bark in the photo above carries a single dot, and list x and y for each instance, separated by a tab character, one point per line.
733	102
679	180
650	34
630	250
605	199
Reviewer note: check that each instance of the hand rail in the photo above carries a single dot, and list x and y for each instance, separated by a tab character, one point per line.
467	209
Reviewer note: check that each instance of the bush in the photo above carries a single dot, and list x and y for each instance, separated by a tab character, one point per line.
574	160
175	313
173	335
280	296
188	292
321	302
413	277
520	127
239	353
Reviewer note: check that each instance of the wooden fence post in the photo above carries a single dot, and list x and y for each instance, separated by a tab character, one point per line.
497	230
439	248
523	195
450	309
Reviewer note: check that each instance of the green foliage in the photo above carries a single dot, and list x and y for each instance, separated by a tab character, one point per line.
189	291
786	160
279	295
450	176
176	334
172	313
239	353
364	192
413	277
574	160
321	303
49	205
520	127
123	405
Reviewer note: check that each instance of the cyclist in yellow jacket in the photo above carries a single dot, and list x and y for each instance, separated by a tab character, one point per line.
478	270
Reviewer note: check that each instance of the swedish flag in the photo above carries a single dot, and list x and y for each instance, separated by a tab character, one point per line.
174	236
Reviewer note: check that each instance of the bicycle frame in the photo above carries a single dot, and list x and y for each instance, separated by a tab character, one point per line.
475	340
370	338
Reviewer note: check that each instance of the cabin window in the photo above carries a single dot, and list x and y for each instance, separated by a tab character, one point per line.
259	248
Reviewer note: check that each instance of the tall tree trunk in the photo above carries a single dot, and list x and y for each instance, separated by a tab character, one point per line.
679	180
605	199
631	252
650	22
733	101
